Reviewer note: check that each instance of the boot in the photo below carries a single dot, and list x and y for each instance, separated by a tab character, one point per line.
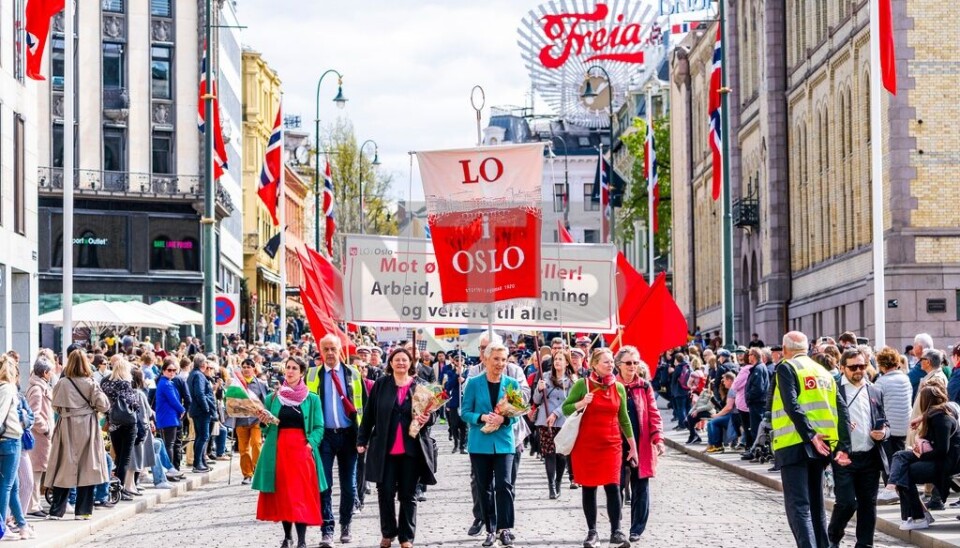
553	490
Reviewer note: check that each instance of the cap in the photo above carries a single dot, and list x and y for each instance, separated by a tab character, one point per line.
934	356
363	348
579	352
376	350
741	349
723	352
776	348
456	354
582	340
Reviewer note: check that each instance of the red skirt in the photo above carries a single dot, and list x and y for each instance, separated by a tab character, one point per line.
296	494
598	452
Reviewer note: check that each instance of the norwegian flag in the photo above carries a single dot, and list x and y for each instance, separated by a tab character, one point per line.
716	137
328	208
270	176
37	26
650	169
219	148
680	28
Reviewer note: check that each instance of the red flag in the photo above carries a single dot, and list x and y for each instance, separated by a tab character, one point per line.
632	291
658	324
565	236
219	148
716	134
37	26
320	323
330	283
888	57
328	209
270	176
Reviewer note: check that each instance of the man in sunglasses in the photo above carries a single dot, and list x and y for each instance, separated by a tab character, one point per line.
862	426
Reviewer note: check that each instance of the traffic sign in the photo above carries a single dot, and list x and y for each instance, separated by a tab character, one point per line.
227	312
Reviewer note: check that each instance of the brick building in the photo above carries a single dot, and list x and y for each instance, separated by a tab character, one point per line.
800	173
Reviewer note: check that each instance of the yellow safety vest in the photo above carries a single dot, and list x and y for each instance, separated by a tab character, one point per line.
313	385
817	398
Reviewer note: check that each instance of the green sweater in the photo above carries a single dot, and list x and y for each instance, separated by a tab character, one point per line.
579	390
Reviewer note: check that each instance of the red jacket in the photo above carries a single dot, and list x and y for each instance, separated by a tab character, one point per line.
648	428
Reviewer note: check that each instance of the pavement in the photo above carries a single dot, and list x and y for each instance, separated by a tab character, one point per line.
944	532
692	505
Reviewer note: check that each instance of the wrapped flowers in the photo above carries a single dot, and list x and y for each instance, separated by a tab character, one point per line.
427	398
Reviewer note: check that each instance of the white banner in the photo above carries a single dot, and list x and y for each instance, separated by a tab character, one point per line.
392	282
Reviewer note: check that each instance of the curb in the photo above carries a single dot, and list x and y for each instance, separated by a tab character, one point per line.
77	531
888	527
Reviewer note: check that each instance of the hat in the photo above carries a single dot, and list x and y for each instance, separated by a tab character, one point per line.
776	348
934	356
723	352
456	355
741	349
363	348
583	339
579	352
376	350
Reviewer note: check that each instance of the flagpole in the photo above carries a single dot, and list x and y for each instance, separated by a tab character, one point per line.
209	212
603	203
69	114
876	177
727	220
650	204
282	208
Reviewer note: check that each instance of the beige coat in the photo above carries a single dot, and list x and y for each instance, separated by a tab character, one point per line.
40	399
77	458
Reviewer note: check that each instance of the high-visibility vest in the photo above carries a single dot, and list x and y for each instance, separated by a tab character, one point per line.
313	385
817	398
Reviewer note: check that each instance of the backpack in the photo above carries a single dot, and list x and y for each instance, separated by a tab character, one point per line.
684	376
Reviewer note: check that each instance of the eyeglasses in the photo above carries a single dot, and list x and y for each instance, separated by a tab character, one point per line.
629	362
856	367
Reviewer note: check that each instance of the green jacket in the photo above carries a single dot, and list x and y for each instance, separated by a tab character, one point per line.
265	473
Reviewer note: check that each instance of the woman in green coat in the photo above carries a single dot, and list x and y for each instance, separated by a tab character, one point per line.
290	491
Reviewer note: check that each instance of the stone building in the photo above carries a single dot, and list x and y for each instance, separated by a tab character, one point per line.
800	167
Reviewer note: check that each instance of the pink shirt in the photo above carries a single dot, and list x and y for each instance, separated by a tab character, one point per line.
740	385
398	448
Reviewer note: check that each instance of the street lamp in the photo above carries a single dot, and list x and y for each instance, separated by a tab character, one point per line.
341	102
376	162
588	95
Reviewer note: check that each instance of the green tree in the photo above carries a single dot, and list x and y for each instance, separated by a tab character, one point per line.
635	202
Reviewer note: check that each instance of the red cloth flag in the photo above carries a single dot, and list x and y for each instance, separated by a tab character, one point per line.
328	209
565	236
320	323
632	291
37	26
716	134
888	56
270	176
330	282
219	148
658	324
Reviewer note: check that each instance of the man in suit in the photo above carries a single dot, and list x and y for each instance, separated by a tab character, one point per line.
203	408
341	394
862	426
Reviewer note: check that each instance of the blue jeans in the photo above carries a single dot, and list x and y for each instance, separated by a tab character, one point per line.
9	465
161	463
681	408
717	429
201	431
101	493
341	445
222	440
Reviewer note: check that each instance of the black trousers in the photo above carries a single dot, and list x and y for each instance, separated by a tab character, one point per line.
613	506
182	431
122	439
399	481
745	425
361	479
458	428
803	500
169	437
495	488
84	506
855	487
890	446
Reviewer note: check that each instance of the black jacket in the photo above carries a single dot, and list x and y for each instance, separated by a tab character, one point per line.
943	433
381	415
789	384
877	415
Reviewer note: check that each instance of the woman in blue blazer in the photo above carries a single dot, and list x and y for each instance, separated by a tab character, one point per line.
168	406
491	455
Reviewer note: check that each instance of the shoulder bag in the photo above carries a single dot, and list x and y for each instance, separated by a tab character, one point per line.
566	438
121	414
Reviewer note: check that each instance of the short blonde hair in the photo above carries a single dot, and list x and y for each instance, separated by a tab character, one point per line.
8	369
121	371
597	353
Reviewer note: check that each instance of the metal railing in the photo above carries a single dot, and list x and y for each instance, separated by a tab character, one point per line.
50	180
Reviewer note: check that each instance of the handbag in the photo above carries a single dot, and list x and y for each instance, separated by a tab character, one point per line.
566	438
121	414
27	440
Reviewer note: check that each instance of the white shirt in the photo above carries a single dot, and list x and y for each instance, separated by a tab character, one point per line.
858	417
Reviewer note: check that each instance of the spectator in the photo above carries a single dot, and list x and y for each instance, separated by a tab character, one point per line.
720	421
124	407
755	395
203	409
895	388
452	382
40	397
930	362
921	343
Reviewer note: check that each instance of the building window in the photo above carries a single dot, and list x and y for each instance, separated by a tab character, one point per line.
114	6
112	66
559	197
588	203
591	236
19	39
161	85
114	150
163	153
19	183
160	8
56	151
56	61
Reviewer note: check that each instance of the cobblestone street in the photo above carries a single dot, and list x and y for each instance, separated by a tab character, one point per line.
694	504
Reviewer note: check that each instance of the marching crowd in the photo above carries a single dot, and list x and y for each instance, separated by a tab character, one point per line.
110	422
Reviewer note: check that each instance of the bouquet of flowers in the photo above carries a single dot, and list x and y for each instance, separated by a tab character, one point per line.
510	405
242	403
427	398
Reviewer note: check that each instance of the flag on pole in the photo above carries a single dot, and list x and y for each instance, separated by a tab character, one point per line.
650	169
564	235
680	28
219	148
888	58
716	137
269	190
273	245
37	25
328	208
656	324
602	181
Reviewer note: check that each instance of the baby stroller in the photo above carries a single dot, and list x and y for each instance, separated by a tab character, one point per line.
762	450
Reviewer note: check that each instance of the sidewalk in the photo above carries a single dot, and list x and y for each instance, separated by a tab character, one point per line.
945	532
69	531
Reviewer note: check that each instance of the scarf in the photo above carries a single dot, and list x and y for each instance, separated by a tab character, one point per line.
293	397
606	381
633	388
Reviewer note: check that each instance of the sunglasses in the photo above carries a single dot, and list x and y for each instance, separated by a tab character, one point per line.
856	367
629	362
169	369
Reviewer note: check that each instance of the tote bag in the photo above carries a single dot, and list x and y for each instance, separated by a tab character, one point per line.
566	438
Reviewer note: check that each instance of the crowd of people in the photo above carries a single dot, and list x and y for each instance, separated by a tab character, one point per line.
112	421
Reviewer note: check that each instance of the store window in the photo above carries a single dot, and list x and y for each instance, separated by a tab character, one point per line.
100	241
174	244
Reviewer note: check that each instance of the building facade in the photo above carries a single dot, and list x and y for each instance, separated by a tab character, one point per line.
18	195
801	180
138	156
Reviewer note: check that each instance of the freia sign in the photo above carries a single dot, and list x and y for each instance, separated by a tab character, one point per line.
572	33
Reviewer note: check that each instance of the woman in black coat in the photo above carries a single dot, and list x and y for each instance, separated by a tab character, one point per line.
396	462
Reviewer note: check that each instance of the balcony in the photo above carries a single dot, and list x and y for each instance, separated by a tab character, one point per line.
121	184
746	212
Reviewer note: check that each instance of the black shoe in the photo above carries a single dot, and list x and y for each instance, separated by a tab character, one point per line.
421	497
695	440
301	545
463	451
38	514
287	543
490	540
592	540
773	468
506	538
345	537
747	456
574	485
935	504
475	529
125	497
455	449
553	491
619	540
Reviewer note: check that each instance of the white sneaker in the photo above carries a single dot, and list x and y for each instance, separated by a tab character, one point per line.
163	485
10	535
912	524
69	510
887	496
27	532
